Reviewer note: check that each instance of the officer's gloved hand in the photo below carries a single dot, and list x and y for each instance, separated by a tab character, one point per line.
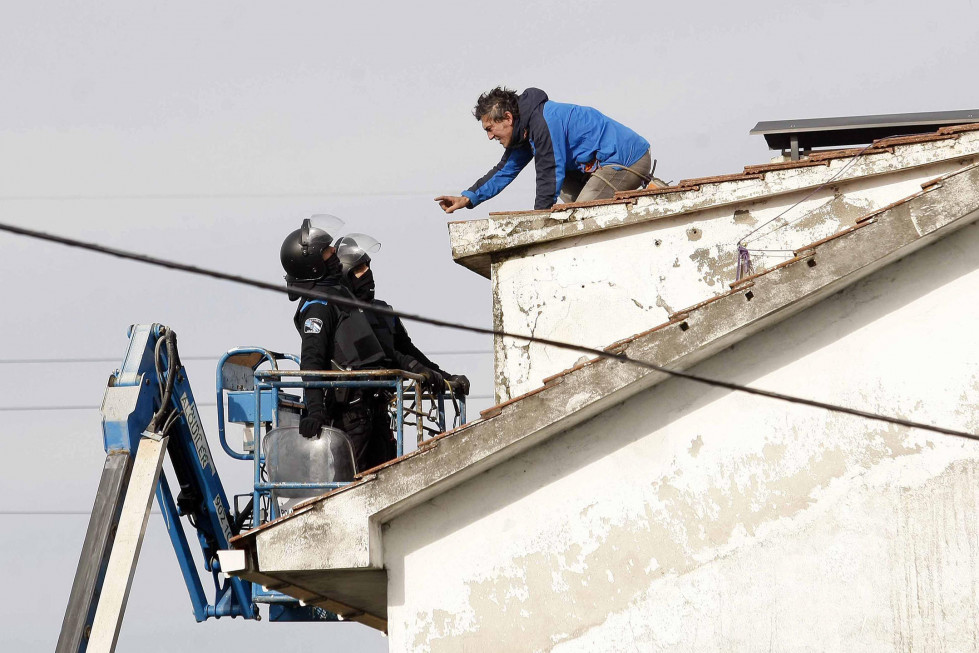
434	381
459	383
310	426
431	379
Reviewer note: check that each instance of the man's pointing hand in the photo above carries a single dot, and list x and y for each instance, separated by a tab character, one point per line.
450	203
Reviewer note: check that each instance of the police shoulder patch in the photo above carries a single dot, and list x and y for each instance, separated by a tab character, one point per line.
313	325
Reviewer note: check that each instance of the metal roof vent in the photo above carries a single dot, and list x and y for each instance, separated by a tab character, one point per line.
793	136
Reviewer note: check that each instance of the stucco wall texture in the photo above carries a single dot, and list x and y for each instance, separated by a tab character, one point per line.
601	286
696	519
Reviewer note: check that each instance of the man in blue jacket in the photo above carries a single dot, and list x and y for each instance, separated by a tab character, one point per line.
579	153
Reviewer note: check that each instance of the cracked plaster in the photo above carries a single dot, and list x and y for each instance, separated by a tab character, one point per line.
640	274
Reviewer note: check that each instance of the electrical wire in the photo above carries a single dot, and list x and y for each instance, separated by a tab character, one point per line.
115	359
13	409
208	196
352	303
64	407
87	513
102	359
27	409
747	238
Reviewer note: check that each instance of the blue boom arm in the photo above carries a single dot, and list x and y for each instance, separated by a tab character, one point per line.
151	375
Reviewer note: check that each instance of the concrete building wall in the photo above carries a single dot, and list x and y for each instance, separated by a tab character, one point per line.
690	518
598	288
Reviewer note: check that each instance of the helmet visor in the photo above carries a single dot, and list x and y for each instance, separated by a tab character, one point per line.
356	249
320	230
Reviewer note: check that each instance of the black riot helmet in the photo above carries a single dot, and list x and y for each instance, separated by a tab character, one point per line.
302	250
354	250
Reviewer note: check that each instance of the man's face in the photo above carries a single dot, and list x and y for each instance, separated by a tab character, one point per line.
328	252
499	130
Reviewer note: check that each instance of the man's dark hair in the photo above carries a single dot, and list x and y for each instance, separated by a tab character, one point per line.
496	103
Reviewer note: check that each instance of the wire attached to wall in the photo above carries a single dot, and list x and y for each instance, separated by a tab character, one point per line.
352	303
744	252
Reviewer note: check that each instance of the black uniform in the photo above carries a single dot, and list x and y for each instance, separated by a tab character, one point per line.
391	332
334	334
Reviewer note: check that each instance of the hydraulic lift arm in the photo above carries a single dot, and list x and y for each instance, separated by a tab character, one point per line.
149	411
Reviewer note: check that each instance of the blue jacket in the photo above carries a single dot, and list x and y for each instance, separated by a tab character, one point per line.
558	137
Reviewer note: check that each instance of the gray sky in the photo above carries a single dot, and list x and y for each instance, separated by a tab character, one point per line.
205	131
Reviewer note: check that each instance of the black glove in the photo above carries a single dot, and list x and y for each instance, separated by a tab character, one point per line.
433	380
310	426
459	383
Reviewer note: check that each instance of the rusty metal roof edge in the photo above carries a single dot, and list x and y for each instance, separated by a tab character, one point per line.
649	192
895	141
717	179
424	447
808	250
745	282
569	206
958	129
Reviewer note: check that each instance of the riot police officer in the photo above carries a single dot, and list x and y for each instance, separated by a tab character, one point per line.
334	334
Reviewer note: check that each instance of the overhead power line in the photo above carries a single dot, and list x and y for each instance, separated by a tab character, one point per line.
210	196
352	303
102	359
17	409
26	409
116	360
44	513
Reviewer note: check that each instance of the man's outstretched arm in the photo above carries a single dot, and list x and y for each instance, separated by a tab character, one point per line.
490	184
